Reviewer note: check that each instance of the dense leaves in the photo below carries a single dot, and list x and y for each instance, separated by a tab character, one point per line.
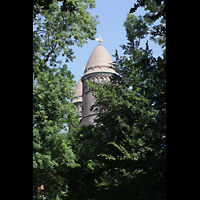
57	26
157	11
123	156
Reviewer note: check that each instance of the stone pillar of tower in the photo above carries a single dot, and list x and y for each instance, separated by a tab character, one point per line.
97	69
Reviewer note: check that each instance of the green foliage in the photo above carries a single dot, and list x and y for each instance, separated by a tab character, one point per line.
58	25
123	156
157	11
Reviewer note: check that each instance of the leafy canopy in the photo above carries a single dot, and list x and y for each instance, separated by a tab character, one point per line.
58	25
123	156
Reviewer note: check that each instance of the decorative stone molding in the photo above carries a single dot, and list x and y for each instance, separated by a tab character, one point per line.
77	97
105	67
94	77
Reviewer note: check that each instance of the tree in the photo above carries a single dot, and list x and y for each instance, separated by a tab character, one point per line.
157	11
57	26
124	155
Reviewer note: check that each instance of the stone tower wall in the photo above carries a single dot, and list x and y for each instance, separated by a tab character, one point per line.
79	109
88	98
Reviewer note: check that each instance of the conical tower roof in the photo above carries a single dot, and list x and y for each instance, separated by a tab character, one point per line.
99	60
78	92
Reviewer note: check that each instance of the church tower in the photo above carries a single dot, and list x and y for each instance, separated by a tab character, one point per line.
96	70
77	101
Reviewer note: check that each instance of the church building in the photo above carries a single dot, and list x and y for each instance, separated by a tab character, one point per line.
96	70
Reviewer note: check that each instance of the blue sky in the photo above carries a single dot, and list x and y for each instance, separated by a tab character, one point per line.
112	14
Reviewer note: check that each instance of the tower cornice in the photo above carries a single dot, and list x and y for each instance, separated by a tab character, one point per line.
98	73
